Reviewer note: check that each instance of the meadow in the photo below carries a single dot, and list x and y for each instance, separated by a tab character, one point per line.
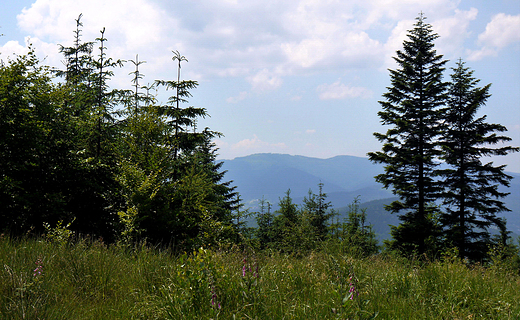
40	279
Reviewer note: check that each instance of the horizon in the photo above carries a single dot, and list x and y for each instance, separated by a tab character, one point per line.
299	155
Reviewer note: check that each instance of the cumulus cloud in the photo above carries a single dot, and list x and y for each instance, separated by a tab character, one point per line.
338	90
453	30
500	32
241	96
261	41
44	50
327	34
132	26
12	48
265	80
257	145
138	23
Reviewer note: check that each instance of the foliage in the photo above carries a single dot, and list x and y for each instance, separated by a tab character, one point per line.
37	169
294	229
354	236
302	229
471	192
432	122
265	221
60	234
117	162
317	209
412	109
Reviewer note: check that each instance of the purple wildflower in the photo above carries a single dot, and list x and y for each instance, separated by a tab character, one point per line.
39	268
214	298
352	290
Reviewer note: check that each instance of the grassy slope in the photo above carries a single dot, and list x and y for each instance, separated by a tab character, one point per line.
91	281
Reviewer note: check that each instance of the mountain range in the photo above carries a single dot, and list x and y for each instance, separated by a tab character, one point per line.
269	176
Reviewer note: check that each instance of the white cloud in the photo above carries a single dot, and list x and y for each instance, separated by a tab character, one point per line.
453	30
132	26
262	41
241	96
265	80
12	48
257	145
137	23
500	32
338	90
45	51
310	131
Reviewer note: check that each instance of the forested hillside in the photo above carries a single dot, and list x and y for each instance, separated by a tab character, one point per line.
344	178
80	157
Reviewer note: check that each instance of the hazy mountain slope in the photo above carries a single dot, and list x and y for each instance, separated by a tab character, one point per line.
344	178
257	177
270	175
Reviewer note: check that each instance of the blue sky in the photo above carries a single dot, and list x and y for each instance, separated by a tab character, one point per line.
300	77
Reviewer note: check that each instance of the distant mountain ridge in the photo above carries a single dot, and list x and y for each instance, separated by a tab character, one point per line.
270	175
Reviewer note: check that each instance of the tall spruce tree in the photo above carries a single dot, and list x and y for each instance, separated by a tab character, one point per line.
180	119
411	108
471	187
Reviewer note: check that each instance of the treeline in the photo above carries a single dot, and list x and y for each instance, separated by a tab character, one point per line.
78	157
106	162
312	225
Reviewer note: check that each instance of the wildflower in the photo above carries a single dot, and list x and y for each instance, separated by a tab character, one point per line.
39	268
244	268
214	298
352	290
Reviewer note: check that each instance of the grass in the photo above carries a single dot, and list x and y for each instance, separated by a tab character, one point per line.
88	280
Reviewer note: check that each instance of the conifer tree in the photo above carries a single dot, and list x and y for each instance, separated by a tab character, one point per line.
77	59
103	127
357	237
265	222
182	120
137	96
471	187
173	186
409	151
317	208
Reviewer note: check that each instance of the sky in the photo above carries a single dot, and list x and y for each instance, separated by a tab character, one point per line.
300	77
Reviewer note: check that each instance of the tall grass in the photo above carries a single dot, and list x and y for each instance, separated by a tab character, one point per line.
88	280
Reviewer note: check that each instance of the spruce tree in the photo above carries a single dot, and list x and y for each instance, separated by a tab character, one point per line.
265	221
180	119
357	237
317	208
471	187
411	107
